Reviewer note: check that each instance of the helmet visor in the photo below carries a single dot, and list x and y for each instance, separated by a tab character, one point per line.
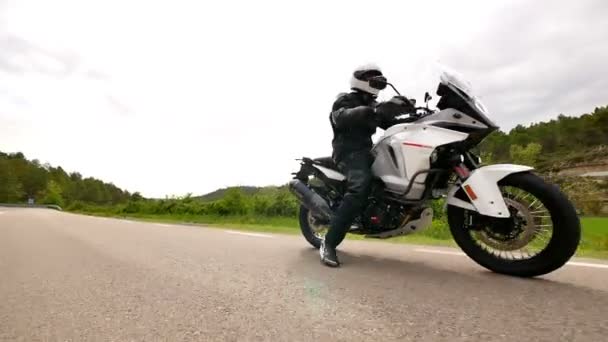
365	75
377	82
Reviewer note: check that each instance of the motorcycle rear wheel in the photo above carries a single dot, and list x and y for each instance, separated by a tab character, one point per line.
313	232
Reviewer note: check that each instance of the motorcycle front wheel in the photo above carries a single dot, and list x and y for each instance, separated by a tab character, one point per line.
541	235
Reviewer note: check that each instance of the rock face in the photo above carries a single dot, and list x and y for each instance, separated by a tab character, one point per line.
596	174
590	193
598	168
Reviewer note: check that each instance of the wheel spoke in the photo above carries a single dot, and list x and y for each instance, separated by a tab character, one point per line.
526	196
539	206
544	230
541	238
528	234
539	212
519	193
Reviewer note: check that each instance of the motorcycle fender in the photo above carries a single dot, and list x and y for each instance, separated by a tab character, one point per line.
483	192
331	174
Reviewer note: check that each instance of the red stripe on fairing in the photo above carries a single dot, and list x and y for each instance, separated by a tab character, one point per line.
417	145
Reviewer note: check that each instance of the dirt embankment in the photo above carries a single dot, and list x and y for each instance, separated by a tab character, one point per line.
591	168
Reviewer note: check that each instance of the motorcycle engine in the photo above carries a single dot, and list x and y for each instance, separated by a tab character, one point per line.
381	216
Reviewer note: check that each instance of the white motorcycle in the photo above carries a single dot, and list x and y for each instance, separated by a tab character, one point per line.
503	216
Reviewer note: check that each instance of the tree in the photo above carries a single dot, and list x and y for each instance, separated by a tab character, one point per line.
32	177
487	157
260	204
284	204
136	196
234	203
21	179
52	194
10	188
526	156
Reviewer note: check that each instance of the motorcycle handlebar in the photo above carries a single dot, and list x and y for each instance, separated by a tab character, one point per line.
425	109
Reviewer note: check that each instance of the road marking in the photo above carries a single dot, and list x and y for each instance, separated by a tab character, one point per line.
248	234
586	264
162	225
571	263
436	251
1	212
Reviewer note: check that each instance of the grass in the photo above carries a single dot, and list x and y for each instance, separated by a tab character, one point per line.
283	225
594	241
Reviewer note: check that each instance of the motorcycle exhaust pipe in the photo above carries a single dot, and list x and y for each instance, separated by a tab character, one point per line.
311	200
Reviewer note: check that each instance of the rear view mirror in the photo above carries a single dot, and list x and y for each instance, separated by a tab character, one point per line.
378	82
427	97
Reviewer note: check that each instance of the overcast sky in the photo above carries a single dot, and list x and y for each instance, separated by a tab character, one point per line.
171	97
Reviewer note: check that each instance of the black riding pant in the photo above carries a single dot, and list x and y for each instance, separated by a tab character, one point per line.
356	166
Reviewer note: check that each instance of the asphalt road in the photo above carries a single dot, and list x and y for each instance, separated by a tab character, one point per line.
67	277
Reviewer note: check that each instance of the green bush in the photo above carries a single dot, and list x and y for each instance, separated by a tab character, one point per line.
76	206
53	194
439	230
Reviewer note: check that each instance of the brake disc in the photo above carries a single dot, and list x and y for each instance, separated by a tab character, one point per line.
522	217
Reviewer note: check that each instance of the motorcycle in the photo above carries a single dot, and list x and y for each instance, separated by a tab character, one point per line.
503	216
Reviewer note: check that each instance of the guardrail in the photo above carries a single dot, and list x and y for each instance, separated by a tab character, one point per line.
24	205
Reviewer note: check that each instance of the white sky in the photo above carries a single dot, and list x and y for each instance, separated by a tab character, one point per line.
171	97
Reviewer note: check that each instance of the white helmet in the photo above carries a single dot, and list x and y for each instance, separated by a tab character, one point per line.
360	79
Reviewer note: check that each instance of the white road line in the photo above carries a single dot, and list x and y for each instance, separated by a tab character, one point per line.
162	225
249	234
1	212
436	251
571	263
586	264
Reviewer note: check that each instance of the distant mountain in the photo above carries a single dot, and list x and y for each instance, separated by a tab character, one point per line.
218	194
270	190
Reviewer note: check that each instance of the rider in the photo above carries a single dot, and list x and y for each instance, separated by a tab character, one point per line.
354	119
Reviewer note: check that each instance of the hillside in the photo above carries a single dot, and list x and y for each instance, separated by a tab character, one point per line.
570	151
220	193
564	142
22	179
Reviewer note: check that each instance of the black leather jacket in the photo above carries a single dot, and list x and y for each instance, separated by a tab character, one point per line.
354	122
